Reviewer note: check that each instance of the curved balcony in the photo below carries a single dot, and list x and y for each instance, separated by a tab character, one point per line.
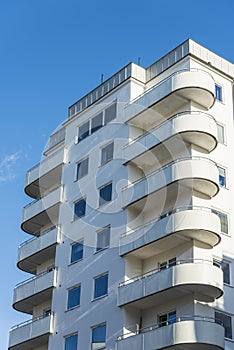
170	230
171	94
42	212
36	250
34	291
196	276
31	334
199	174
45	176
191	333
194	127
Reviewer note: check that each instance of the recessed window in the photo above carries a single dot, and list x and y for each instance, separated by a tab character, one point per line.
226	321
100	286
77	250
222	176
82	168
165	264
73	299
218	92
105	194
71	342
225	266
221	133
103	238
99	337
80	208
110	113
96	123
166	319
223	220
107	153
83	131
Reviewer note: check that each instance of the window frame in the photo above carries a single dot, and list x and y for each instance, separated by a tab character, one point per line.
220	87
111	143
224	141
224	169
92	329
81	241
70	336
79	137
98	232
228	315
218	262
77	170
69	290
102	201
77	201
94	285
167	321
219	213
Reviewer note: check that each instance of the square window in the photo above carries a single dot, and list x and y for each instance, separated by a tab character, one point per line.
222	176
71	342
83	131
223	220
166	319
99	337
100	286
225	266
107	153
77	250
105	194
226	321
103	238
218	92
73	297
96	123
110	113
80	208
82	168
221	133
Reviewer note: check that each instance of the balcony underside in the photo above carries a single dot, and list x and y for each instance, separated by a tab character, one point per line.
26	305
32	344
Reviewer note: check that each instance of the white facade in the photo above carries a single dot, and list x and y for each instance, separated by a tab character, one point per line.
132	220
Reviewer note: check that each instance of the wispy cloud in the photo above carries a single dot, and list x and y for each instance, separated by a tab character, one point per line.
7	165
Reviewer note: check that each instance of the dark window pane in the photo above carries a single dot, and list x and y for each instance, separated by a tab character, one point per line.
110	113
80	208
107	153
105	194
218	92
71	342
226	321
77	252
83	131
226	272
101	286
82	168
103	239
96	123
73	297
99	337
222	176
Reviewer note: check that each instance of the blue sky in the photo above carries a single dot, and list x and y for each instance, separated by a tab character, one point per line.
52	53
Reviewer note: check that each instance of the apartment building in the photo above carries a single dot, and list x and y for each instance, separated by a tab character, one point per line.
131	243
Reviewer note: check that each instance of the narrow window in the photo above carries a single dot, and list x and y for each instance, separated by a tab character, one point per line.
223	220
105	194
107	153
71	342
221	133
225	266
82	168
100	286
77	250
99	337
226	321
83	131
80	208
110	113
218	92
96	123
222	176
103	238
73	299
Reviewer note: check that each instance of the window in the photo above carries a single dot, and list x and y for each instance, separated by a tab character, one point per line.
110	113
223	220
71	342
107	153
166	264
80	208
82	168
96	123
226	320
103	238
105	194
100	285
83	131
221	133
99	337
222	176
218	92
73	297
225	266
166	319
77	251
